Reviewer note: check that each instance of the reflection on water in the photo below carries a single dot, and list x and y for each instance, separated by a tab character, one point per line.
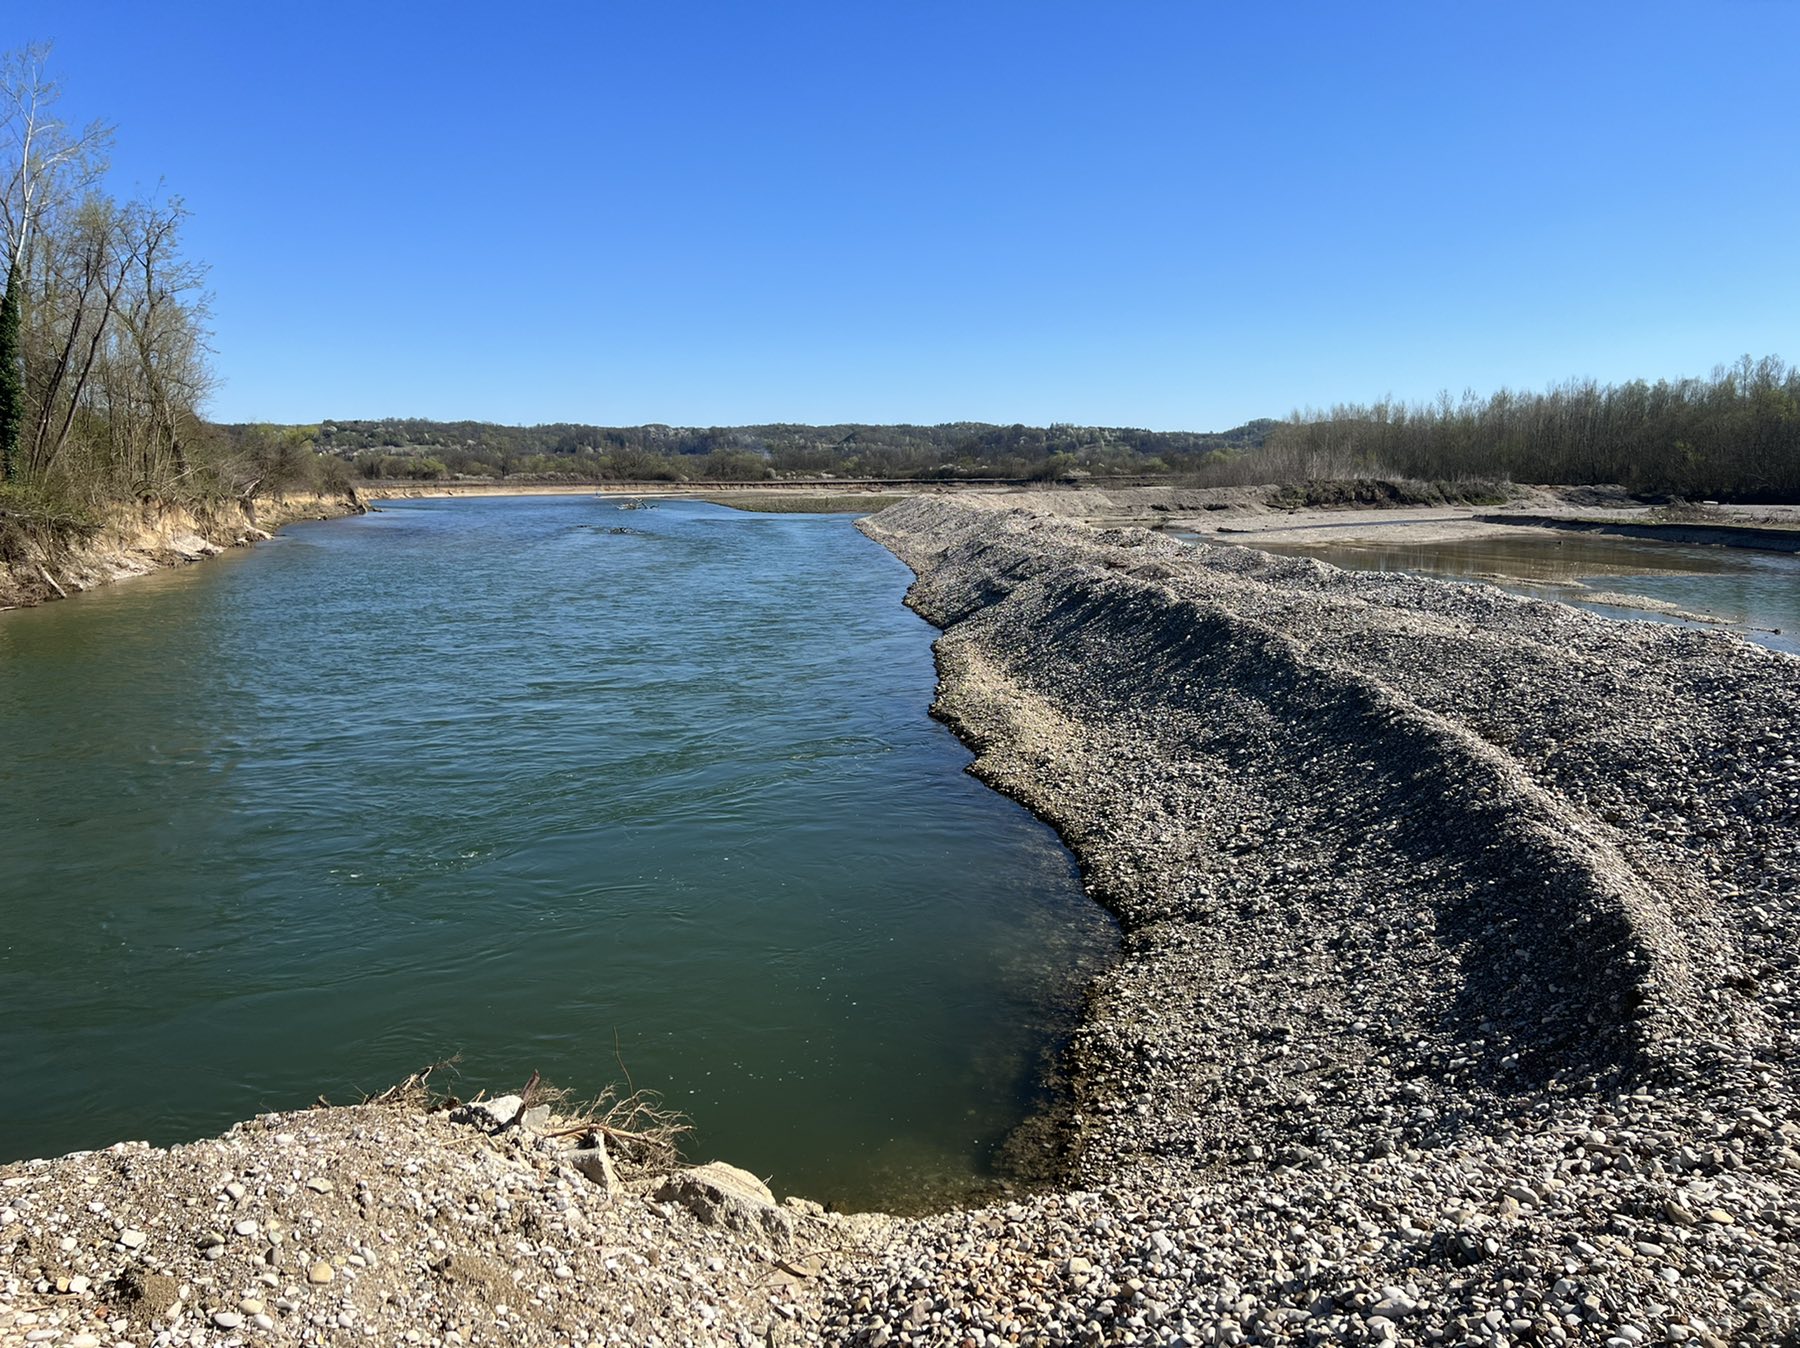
1757	593
495	777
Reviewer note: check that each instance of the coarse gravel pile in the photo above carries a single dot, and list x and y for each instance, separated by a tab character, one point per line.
391	1223
1458	1001
1457	1005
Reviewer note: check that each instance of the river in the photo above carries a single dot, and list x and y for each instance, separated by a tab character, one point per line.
546	782
1754	594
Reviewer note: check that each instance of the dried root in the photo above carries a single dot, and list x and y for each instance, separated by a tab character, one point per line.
639	1130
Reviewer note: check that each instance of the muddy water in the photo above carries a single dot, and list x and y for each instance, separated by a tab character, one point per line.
1756	594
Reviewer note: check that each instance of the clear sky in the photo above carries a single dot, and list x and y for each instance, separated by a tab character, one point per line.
1144	214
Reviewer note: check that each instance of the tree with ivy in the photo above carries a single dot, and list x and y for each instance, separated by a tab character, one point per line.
12	377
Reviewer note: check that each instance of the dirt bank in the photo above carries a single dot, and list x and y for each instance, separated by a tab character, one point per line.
38	564
435	491
1781	533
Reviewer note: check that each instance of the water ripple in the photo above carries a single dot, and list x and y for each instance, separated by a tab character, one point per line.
487	777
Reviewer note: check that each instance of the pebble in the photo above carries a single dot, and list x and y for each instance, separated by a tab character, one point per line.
1235	742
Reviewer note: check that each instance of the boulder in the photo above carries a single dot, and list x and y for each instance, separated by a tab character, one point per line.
593	1162
723	1195
493	1115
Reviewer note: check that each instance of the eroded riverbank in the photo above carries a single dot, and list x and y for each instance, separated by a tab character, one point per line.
137	538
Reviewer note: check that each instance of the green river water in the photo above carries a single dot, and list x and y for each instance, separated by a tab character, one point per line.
492	777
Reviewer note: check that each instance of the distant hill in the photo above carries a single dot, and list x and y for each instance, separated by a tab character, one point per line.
412	447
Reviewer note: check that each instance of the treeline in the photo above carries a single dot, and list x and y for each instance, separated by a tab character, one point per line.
1734	436
411	448
103	338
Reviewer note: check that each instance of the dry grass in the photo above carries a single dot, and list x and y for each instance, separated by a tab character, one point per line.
639	1130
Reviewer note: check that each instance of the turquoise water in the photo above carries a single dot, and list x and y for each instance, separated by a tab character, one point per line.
493	777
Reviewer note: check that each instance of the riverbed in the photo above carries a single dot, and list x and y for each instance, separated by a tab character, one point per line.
549	783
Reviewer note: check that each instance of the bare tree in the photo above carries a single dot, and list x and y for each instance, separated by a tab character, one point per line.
47	167
156	373
86	268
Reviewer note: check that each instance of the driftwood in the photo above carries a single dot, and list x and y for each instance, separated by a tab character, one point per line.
414	1085
50	580
648	1132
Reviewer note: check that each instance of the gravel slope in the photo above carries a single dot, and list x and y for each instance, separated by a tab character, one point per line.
1457	1002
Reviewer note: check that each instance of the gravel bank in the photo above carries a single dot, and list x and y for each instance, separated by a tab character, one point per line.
1457	1005
386	1223
1458	1000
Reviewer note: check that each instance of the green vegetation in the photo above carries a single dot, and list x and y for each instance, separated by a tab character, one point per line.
12	375
410	448
1735	436
103	356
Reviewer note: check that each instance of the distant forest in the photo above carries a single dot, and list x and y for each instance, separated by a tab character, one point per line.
411	448
1733	436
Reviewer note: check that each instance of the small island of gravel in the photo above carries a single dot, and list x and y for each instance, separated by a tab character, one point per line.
1456	1006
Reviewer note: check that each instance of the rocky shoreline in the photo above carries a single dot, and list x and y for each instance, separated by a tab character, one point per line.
1458	1005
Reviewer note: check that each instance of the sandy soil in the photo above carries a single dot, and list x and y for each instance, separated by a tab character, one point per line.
1420	525
136	539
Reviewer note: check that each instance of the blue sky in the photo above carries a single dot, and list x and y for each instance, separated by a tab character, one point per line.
1161	215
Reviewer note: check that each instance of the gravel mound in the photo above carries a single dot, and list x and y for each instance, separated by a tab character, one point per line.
388	1224
1457	1002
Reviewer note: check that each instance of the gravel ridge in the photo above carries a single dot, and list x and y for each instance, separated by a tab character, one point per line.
1458	1000
1457	1005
